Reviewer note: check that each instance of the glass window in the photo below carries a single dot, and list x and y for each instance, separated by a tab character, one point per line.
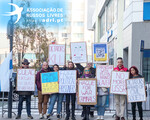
102	25
111	52
115	10
110	14
146	65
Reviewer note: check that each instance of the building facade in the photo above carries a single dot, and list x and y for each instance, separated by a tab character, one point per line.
125	26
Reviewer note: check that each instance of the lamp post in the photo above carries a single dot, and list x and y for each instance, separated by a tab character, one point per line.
10	36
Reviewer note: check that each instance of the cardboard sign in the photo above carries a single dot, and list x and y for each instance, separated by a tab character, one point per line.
87	91
78	52
103	74
136	90
49	82
25	80
118	82
100	53
56	54
67	81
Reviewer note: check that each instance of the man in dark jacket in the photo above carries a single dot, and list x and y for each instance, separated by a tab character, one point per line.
42	99
72	96
24	95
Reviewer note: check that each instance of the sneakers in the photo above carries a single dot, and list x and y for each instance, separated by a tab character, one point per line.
122	118
18	117
92	114
41	116
117	118
30	117
48	116
58	116
45	116
73	118
100	118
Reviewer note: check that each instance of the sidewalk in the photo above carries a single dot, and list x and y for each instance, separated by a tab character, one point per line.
78	117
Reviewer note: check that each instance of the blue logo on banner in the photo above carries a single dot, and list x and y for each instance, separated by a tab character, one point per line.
50	13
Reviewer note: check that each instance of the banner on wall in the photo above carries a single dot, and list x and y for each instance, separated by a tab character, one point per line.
100	53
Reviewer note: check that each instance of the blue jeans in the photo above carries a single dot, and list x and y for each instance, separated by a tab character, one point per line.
28	104
101	101
53	98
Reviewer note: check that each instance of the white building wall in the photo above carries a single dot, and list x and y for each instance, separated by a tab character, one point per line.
133	13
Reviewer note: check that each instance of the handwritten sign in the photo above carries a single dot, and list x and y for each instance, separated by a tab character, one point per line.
78	52
100	53
136	90
87	91
25	80
49	82
56	54
103	74
67	81
118	82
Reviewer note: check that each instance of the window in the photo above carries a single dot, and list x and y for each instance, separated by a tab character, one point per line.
110	14
102	25
146	65
115	10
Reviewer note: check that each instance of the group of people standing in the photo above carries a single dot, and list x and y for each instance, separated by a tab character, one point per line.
82	72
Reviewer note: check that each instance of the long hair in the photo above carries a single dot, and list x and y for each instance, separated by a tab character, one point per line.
88	69
72	63
136	70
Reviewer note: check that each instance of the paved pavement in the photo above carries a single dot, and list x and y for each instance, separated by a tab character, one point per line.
108	116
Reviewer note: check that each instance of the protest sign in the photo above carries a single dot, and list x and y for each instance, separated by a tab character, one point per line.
87	91
136	90
103	74
67	81
56	54
78	52
49	82
25	80
118	82
100	53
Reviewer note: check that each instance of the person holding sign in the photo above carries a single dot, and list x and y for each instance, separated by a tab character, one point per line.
42	99
134	73
101	102
93	72
86	108
24	95
53	98
120	99
70	95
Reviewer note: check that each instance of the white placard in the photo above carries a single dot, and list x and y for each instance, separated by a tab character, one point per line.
136	90
25	80
118	82
103	74
56	54
67	81
87	91
78	52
